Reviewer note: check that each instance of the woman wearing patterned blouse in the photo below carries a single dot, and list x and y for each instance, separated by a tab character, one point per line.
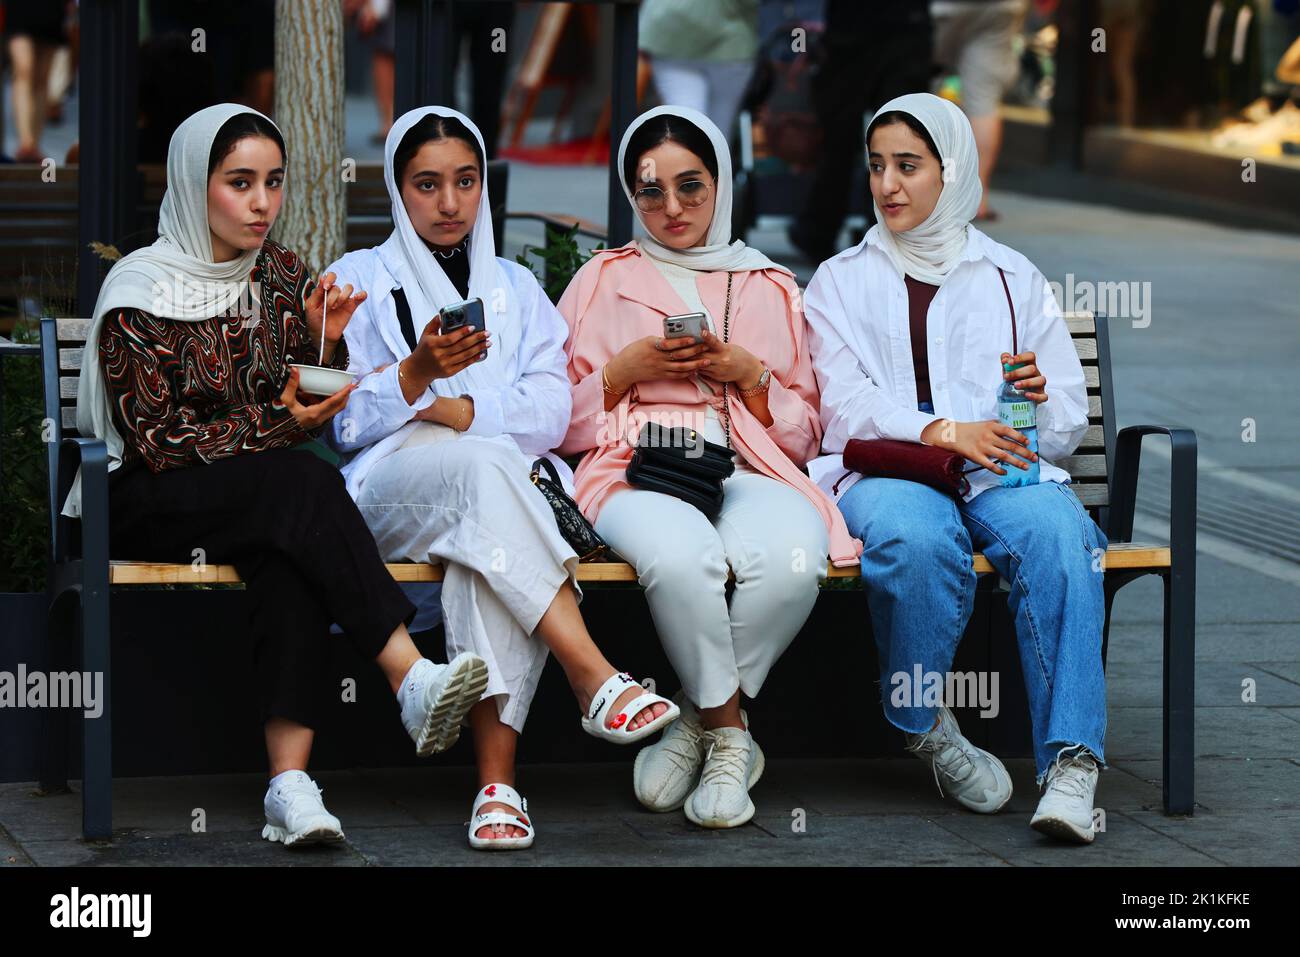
195	398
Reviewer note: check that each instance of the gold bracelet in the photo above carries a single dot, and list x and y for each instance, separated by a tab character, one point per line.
604	381
464	412
401	376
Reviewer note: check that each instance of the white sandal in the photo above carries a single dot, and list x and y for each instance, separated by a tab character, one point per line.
502	794
597	719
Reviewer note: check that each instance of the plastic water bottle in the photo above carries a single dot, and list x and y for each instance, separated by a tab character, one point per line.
1021	414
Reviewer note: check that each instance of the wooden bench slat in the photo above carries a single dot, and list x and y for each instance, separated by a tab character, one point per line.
1094	438
1087	349
1118	556
1092	377
68	385
1081	323
70	359
73	330
1091	494
69	418
1084	465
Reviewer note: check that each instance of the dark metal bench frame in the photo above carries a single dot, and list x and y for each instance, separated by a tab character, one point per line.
79	587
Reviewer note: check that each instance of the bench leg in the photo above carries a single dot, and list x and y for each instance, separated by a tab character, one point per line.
97	733
59	623
1179	695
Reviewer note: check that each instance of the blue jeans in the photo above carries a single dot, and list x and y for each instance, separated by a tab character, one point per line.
916	569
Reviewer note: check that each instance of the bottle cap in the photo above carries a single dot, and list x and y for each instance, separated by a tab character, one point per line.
1008	367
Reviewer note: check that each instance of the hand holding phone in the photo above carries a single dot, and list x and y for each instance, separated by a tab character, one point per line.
690	324
460	315
442	352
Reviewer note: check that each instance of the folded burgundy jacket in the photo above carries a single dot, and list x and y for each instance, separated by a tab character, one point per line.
889	458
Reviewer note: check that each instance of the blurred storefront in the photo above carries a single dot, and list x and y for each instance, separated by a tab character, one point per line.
1198	97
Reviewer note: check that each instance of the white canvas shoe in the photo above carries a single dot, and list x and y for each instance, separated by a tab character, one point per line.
1065	811
732	765
969	775
295	813
435	699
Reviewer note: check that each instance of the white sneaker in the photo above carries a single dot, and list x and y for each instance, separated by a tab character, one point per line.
435	699
732	765
1065	811
295	813
969	775
666	772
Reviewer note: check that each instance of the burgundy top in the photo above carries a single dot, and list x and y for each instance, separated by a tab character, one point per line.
189	393
919	296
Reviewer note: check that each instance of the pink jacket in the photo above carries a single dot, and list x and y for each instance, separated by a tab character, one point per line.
620	296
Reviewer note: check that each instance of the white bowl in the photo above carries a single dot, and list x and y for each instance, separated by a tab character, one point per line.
317	380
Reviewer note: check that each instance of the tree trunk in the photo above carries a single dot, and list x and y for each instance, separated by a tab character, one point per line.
309	109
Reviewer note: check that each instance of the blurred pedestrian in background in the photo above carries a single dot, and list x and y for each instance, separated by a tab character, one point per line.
33	32
873	53
973	38
238	40
376	23
702	52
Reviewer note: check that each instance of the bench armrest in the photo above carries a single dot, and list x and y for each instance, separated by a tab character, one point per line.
92	456
1182	489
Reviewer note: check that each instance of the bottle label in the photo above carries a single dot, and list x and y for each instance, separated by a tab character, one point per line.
1018	415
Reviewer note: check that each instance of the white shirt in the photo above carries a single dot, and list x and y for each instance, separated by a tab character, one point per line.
530	408
857	309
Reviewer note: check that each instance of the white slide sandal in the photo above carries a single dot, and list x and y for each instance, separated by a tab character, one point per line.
597	718
502	794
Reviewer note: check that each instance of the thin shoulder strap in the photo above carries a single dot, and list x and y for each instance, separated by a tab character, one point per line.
1015	345
404	317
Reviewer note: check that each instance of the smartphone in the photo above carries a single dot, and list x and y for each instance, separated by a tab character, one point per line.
691	324
460	314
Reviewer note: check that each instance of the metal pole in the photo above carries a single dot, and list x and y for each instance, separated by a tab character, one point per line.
622	110
107	180
1073	85
425	54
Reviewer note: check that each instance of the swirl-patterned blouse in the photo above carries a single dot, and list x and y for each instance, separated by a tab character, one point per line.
190	393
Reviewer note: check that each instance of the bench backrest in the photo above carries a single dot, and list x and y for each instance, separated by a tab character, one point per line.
63	340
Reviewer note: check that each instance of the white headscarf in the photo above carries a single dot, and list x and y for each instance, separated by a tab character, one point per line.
929	252
174	278
719	253
426	286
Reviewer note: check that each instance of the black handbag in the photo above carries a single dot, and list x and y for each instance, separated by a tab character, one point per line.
682	463
573	525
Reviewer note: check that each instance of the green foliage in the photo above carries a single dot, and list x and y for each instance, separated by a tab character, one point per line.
24	517
561	257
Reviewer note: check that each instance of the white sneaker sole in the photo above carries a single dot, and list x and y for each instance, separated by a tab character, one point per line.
315	834
1063	829
464	684
760	763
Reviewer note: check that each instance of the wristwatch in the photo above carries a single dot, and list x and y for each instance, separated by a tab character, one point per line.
764	380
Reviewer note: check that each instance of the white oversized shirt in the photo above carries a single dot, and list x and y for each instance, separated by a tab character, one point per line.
530	407
857	309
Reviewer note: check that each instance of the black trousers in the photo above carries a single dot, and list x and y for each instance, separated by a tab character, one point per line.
285	520
874	52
